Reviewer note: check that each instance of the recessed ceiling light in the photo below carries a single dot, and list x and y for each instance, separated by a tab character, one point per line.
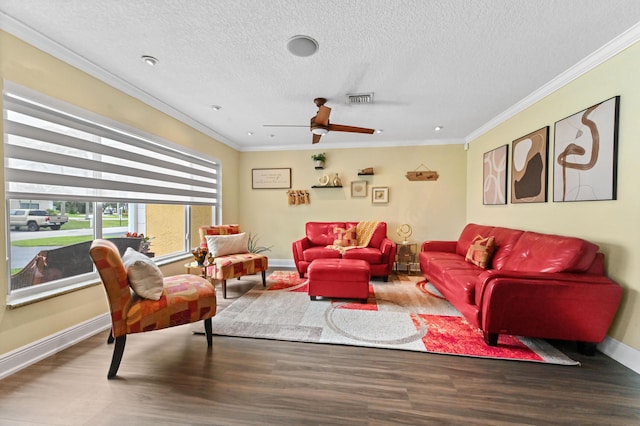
149	60
302	45
379	130
250	133
216	107
438	128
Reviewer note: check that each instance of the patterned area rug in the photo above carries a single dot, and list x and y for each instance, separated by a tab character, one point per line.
404	313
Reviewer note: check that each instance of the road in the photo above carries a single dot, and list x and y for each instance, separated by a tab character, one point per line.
20	256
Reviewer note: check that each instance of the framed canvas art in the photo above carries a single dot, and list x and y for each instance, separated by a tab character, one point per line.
270	178
585	154
529	167
359	188
380	195
494	176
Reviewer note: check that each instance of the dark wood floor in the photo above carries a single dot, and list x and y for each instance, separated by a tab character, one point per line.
171	378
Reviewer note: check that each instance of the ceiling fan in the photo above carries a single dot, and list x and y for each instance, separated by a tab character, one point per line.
320	123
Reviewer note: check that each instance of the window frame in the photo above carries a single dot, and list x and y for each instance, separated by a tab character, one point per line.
19	297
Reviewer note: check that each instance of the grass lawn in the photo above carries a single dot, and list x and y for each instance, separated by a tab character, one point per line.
65	240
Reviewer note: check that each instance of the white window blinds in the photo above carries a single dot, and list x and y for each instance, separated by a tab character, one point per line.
51	154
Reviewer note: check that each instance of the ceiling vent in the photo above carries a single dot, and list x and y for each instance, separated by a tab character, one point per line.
360	98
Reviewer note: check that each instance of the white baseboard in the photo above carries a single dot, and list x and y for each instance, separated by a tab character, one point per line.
625	355
25	356
282	263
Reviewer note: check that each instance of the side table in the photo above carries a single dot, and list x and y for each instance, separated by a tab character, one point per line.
405	255
195	269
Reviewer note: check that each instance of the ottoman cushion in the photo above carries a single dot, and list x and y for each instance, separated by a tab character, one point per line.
344	278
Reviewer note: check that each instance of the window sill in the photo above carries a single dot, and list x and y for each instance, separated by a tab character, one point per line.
18	302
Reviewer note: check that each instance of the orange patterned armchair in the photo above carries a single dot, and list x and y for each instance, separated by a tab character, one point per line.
229	256
181	299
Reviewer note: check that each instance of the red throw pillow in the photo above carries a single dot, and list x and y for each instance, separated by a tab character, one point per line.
480	251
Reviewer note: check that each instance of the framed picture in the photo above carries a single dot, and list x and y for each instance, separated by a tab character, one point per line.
359	188
270	178
494	176
529	167
380	195
586	154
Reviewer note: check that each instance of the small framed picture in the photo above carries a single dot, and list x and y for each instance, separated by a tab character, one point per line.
380	195
359	188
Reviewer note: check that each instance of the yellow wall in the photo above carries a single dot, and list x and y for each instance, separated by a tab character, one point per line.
434	209
23	64
611	224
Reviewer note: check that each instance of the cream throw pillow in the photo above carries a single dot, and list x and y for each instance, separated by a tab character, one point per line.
222	245
145	278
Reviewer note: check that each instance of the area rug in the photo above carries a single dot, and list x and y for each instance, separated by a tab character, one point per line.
405	313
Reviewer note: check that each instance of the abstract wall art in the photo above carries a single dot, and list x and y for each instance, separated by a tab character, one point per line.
585	154
529	167
494	176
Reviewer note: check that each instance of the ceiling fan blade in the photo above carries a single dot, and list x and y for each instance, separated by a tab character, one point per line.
285	125
352	129
316	138
323	115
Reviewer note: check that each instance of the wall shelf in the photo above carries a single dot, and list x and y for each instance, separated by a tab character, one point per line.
326	186
365	174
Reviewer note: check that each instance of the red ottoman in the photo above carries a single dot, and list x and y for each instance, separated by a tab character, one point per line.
343	278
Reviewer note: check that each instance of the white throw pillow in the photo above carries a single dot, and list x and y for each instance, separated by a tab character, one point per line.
145	278
222	245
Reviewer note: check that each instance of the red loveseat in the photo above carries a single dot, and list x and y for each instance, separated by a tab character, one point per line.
380	253
536	285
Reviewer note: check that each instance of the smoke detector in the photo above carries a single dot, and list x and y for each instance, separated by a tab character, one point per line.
360	98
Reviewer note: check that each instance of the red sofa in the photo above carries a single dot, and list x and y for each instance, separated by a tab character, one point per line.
536	285
380	253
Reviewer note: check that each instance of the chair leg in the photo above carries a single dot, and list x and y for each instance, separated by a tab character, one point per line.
224	289
110	339
208	330
264	278
118	350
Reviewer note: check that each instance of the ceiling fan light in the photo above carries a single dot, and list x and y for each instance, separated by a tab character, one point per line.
319	131
302	45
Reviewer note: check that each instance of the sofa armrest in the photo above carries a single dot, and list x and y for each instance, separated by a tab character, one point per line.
388	249
511	302
298	247
444	246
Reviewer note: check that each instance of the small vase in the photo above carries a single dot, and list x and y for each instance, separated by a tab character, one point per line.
337	181
319	164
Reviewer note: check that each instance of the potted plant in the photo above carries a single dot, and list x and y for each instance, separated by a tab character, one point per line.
319	160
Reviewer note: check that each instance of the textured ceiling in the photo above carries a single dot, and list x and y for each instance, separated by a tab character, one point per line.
451	63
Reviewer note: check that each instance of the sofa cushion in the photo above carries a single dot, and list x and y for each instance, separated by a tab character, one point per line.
534	252
378	235
321	233
320	252
480	251
463	283
505	239
439	268
371	255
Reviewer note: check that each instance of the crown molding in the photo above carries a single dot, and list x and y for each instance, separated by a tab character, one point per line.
40	41
606	52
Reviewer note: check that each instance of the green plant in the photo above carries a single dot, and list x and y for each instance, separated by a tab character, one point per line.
319	157
253	247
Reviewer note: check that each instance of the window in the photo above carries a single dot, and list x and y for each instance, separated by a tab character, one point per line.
72	176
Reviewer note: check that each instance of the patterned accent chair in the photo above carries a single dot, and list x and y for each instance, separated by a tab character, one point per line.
185	299
231	266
